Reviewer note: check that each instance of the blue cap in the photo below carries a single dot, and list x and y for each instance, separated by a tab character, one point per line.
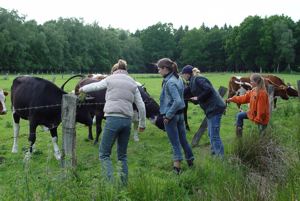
188	69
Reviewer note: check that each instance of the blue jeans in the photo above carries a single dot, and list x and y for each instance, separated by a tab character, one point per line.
240	119
213	125
177	137
116	128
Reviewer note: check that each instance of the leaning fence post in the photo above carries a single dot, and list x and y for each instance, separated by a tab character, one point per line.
271	97
203	125
69	133
298	84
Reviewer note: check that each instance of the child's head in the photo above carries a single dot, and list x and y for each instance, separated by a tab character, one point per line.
257	81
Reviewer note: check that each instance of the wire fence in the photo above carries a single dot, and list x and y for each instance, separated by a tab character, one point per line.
52	106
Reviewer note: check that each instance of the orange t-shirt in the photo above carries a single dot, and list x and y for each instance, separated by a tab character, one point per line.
259	109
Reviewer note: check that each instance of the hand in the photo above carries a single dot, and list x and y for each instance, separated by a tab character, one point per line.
195	98
141	129
166	120
228	100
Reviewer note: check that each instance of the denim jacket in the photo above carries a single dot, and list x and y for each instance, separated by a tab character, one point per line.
171	97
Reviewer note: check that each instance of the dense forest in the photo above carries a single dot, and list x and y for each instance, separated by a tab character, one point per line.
270	44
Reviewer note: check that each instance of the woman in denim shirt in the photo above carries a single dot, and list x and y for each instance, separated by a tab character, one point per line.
171	107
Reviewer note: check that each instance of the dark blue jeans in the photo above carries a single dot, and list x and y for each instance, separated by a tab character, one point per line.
240	119
177	137
213	124
240	122
116	128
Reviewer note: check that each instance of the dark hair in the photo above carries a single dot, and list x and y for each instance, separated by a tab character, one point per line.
169	64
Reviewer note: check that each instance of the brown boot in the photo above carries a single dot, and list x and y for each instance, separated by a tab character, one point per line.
239	131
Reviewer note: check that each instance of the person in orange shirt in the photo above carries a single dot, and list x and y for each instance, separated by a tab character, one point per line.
259	109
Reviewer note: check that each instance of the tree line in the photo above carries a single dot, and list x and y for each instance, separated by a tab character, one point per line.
270	44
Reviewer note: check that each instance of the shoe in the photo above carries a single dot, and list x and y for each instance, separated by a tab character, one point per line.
190	163
177	170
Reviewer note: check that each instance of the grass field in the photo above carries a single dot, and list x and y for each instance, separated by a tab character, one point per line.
150	160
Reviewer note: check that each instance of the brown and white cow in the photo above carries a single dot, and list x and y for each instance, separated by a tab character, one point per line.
97	76
2	102
291	91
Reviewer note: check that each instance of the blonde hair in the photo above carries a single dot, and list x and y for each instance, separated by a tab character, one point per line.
121	65
196	71
259	80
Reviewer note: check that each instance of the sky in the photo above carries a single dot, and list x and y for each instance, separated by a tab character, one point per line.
139	14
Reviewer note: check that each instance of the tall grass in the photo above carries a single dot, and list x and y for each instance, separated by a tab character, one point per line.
270	172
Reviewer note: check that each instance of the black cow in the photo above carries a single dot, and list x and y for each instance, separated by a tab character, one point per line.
29	98
152	108
2	102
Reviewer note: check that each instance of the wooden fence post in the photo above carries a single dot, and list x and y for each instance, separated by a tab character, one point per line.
271	97
298	84
203	125
69	133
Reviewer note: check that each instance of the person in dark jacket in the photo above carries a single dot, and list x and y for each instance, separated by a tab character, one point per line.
212	104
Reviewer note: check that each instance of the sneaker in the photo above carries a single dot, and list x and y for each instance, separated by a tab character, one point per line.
177	170
190	163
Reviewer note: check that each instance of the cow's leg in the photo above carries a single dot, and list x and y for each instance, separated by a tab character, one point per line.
31	138
135	131
90	136
32	134
16	126
275	101
57	153
185	115
99	118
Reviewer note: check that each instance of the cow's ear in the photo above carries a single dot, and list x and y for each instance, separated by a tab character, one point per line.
5	93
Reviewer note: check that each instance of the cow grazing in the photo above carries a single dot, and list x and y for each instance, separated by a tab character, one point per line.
291	91
152	108
39	101
2	102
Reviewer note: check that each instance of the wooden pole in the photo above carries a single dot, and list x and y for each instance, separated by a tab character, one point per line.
69	132
203	125
298	84
271	97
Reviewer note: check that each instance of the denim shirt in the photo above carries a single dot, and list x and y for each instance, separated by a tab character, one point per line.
171	97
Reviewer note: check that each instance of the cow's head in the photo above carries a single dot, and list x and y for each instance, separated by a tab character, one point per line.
291	91
85	108
152	108
238	86
2	102
281	91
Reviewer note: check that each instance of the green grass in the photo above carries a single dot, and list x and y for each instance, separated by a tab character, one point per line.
150	160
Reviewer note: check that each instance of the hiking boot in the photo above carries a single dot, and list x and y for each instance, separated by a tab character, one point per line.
239	131
177	170
190	163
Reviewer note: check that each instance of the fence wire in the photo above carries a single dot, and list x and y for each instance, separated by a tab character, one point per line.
52	106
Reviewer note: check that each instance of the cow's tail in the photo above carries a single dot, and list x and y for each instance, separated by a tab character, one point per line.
79	75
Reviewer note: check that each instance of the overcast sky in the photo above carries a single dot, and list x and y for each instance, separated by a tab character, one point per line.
139	14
